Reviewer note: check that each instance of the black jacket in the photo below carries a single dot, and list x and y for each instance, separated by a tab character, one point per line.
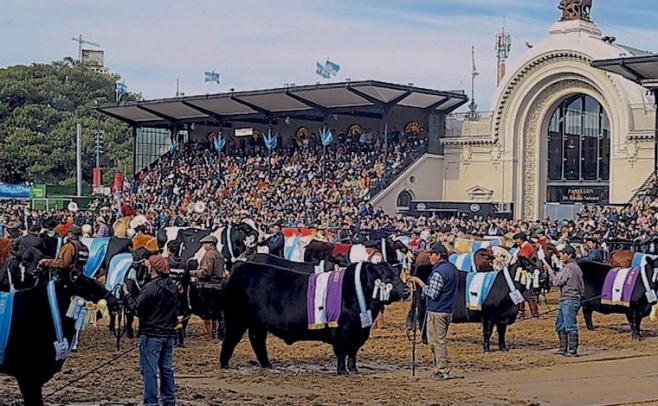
22	244
157	307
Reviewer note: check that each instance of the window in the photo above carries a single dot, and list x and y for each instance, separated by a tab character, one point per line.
404	198
578	149
150	144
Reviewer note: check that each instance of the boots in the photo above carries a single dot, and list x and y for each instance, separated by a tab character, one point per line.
563	343
573	345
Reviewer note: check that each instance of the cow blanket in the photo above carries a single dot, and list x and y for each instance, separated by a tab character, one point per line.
324	298
619	285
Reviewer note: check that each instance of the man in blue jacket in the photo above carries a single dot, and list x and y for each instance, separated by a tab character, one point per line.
440	291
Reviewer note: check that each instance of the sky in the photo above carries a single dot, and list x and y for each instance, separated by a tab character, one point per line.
264	44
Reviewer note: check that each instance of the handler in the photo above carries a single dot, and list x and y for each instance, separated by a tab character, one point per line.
572	289
440	292
157	308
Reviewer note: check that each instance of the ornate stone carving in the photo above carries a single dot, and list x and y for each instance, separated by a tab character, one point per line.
531	136
496	154
575	10
632	152
467	154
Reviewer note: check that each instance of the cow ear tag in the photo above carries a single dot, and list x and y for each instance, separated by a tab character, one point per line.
366	319
651	296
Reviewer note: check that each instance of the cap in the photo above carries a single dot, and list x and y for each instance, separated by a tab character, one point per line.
439	248
75	230
159	264
568	249
210	239
521	236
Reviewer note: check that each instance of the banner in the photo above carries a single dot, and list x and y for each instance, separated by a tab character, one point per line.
327	70
220	142
270	140
38	191
326	137
211	77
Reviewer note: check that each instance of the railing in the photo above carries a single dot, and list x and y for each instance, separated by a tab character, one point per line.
391	174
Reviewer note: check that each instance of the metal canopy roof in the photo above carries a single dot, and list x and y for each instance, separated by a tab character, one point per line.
363	98
639	69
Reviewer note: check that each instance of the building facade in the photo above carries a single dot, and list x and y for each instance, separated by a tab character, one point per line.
561	133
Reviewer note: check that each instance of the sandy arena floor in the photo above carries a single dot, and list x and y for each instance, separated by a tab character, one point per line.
613	370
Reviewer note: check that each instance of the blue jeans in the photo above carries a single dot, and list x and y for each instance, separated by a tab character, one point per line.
566	316
157	354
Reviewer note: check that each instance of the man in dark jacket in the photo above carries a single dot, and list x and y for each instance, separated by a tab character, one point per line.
441	292
30	240
157	308
276	242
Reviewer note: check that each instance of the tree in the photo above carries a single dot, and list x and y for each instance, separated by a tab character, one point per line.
40	106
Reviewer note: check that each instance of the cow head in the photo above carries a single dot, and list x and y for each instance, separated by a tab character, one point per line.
77	283
651	271
384	276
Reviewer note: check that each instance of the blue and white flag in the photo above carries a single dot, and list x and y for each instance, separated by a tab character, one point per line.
219	142
331	68
321	70
270	139
326	136
174	145
121	89
211	77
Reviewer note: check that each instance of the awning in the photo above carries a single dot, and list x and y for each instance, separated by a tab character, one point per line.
366	98
640	69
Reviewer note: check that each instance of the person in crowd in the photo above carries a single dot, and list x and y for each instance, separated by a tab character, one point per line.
593	250
157	309
102	229
30	240
72	256
572	288
440	293
211	276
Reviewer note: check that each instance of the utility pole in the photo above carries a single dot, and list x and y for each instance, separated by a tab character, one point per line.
78	154
81	41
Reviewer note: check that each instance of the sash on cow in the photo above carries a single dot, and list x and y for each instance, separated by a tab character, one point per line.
97	252
6	311
324	299
119	266
463	262
61	343
640	259
619	285
478	286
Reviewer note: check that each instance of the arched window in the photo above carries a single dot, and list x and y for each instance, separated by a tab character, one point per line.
412	127
303	132
404	198
354	130
579	151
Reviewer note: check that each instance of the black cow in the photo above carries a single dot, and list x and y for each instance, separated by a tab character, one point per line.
497	310
20	273
30	354
243	239
266	299
117	245
594	274
285	265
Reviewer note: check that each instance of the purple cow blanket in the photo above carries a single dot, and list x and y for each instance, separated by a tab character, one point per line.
618	286
324	299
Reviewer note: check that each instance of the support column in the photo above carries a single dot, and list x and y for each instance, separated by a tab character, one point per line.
436	130
134	131
655	138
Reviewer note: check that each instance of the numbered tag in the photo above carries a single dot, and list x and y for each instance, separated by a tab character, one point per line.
61	349
517	297
651	296
366	319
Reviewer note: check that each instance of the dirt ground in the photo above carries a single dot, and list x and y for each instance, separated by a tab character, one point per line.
613	370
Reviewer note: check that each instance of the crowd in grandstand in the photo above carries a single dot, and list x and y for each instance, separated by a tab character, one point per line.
300	185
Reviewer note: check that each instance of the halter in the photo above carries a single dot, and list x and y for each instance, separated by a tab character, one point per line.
364	312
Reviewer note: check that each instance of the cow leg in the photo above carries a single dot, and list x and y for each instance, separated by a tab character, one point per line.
234	333
258	338
113	320
351	361
631	316
129	325
502	329
487	330
587	313
340	360
31	391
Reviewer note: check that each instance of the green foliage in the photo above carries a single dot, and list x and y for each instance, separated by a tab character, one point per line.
40	106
